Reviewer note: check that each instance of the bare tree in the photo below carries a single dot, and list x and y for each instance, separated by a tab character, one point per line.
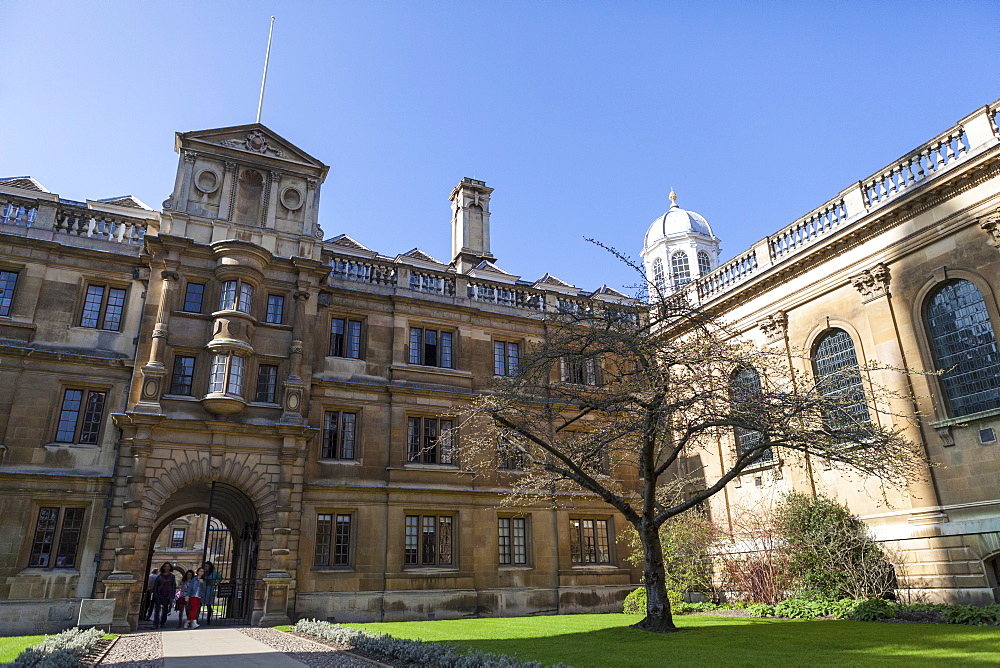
620	399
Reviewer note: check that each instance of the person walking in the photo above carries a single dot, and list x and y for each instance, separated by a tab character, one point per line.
182	602
147	595
195	590
211	579
164	587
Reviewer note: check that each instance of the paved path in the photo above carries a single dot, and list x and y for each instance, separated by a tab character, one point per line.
213	646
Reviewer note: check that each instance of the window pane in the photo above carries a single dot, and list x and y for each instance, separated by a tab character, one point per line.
429	541
429	454
575	548
177	539
416	340
353	339
194	293
235	375
589	546
746	387
513	353
504	540
45	533
337	337
331	430
839	378
182	377
603	551
217	381
659	279
430	348
347	436
92	415
965	346
92	306
69	537
113	309
680	269
275	309
704	263
324	528
410	548
8	281
520	541
342	545
446	350
499	358
267	383
444	541
227	298
413	440
246	297
446	442
68	416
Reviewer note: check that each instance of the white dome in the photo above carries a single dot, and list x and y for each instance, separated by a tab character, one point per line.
677	221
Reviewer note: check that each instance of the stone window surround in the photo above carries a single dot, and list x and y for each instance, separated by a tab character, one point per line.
437	515
348	320
333	512
29	537
7	304
450	330
507	342
437	464
610	534
57	409
85	284
340	411
528	562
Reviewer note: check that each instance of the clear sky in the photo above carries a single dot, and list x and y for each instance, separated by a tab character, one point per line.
582	115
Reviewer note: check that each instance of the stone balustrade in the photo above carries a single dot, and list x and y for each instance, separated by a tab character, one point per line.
363	271
808	229
85	222
727	276
17	212
505	294
918	166
432	283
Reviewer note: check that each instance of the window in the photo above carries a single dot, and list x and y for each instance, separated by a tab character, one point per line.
430	347
965	346
428	541
81	416
511	457
589	541
236	296
8	281
267	383
182	378
44	542
746	388
513	541
194	295
680	269
339	435
704	263
102	308
275	309
579	370
838	377
659	280
333	540
430	441
345	338
177	539
505	356
227	374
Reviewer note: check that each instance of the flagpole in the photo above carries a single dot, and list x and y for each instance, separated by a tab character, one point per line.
263	81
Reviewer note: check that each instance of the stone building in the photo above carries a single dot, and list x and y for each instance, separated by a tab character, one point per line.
221	358
901	268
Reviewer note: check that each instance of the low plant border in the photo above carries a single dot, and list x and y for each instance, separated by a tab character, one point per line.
63	650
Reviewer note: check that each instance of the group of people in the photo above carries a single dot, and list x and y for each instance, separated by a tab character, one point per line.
196	589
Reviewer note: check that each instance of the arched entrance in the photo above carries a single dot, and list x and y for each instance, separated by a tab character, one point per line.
226	530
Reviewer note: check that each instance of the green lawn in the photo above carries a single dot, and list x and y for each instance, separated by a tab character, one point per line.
14	645
604	640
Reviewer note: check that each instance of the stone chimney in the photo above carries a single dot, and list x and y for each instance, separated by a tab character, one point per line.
470	224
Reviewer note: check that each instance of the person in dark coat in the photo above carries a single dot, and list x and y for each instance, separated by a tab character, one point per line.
164	588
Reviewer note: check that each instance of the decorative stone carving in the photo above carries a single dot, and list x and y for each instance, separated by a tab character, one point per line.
190	156
872	283
255	141
991	224
774	326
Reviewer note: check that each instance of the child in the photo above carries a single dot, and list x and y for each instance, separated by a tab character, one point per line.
195	589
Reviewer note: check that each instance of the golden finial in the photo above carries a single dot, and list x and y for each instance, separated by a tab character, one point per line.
673	197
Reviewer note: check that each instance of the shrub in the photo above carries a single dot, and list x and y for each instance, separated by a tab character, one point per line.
760	610
830	551
971	614
59	650
432	655
635	603
799	608
34	658
872	610
700	606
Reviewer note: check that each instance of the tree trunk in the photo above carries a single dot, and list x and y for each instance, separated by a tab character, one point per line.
658	618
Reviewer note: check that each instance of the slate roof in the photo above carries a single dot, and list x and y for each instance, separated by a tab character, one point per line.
418	254
24	183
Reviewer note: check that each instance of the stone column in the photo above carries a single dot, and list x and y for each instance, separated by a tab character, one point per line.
278	582
154	371
271	199
185	184
873	284
293	387
227	196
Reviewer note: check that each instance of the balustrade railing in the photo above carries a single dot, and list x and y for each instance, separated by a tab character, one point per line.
505	295
363	271
84	222
813	226
17	213
435	284
921	164
728	275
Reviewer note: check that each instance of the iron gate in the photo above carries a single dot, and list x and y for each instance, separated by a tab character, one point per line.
233	551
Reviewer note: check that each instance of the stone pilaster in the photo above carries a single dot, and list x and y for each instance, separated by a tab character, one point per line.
872	283
293	389
154	371
228	194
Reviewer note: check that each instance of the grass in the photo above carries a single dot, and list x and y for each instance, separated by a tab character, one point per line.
605	640
11	646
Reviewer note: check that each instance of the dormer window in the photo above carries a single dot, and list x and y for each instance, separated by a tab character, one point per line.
236	296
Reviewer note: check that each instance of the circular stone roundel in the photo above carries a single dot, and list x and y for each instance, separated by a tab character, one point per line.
291	198
207	181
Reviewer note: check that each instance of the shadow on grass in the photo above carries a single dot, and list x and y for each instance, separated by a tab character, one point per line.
724	641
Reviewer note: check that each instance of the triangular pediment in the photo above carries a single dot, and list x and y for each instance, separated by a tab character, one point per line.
417	254
254	139
127	201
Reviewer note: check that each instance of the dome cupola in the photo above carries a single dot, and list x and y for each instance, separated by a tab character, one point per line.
679	247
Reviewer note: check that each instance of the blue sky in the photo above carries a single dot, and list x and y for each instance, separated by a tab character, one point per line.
582	115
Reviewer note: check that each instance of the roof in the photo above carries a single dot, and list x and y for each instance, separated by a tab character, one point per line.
127	201
677	222
418	254
24	183
346	241
549	279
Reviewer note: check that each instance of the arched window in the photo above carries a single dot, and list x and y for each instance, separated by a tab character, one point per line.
965	347
659	279
704	263
838	377
745	388
680	270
